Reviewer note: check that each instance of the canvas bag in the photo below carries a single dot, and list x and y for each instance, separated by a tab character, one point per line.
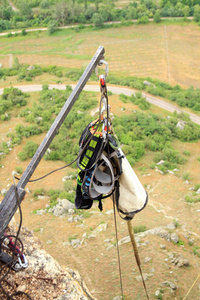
132	196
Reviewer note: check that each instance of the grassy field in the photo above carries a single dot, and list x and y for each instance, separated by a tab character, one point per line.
168	51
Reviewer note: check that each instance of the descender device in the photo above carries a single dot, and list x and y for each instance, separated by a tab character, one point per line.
11	254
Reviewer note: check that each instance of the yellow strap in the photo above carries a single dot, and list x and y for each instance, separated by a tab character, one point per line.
191	287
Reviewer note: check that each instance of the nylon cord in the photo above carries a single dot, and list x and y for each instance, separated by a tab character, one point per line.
134	244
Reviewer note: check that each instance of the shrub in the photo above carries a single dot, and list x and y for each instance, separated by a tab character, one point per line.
29	150
23	32
22	155
196	251
197	187
140	228
186	152
186	176
39	192
19	170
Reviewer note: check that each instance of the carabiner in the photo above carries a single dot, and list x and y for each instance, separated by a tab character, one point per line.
23	261
101	62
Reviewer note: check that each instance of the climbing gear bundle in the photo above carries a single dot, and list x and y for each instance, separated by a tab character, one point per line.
99	166
103	169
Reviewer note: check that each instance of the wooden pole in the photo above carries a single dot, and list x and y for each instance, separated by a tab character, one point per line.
9	204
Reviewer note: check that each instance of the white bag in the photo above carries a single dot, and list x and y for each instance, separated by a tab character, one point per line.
132	196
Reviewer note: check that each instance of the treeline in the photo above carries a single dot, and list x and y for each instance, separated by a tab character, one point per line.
183	97
59	13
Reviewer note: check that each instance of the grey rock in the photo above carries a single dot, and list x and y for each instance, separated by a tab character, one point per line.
117	298
3	192
147	259
161	162
96	231
198	191
75	242
162	246
170	284
62	207
41	212
181	124
67	178
71	211
171	226
145	276
110	211
179	261
21	288
174	238
49	242
30	68
157	293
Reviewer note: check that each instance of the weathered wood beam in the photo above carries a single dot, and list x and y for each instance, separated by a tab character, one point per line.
9	205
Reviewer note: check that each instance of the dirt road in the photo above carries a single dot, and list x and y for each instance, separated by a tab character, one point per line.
116	90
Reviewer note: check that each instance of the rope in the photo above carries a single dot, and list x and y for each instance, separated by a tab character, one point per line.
191	287
119	264
134	244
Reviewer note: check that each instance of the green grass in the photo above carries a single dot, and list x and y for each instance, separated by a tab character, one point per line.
140	228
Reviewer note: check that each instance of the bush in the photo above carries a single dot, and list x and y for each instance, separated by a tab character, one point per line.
29	150
19	170
186	152
140	228
39	192
23	32
186	176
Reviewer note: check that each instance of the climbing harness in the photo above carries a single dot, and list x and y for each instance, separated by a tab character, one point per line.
97	167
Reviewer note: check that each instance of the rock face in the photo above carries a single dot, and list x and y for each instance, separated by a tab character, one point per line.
57	283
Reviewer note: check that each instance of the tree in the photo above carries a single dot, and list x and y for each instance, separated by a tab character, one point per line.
51	28
97	4
186	11
97	20
44	4
197	13
61	12
85	1
157	17
26	10
16	63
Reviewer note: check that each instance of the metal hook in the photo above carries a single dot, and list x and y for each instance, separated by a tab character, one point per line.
101	62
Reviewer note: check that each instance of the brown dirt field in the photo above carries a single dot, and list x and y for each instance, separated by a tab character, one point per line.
169	52
97	264
4	60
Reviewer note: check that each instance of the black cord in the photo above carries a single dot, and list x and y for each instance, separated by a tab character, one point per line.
9	265
79	155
